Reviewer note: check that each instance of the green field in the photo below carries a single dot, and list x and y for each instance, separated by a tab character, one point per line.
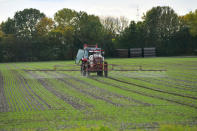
55	100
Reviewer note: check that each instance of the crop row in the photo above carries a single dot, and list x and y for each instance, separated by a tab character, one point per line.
58	99
158	91
163	82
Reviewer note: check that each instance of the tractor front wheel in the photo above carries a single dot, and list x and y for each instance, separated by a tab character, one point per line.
105	69
83	69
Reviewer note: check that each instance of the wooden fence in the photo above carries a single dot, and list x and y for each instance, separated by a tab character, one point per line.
136	52
149	52
122	53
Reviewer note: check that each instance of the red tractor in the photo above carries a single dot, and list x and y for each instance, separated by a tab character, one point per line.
92	60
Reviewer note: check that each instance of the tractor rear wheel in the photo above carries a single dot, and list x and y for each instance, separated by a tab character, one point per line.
87	73
106	73
99	73
83	70
105	69
87	69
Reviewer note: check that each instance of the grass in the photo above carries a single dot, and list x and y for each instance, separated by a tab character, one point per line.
67	101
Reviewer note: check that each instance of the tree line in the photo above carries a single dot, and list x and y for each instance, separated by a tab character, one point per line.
31	36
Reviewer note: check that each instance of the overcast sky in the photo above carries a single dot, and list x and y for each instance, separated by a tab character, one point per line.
127	8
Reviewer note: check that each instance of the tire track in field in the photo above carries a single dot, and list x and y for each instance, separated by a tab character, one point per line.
20	88
158	90
142	93
89	94
185	83
15	102
4	107
145	87
86	92
165	80
68	99
184	75
64	97
31	97
151	126
42	100
108	92
162	82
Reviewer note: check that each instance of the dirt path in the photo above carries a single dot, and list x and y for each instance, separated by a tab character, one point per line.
4	107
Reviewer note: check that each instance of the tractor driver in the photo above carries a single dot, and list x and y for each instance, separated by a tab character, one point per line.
91	58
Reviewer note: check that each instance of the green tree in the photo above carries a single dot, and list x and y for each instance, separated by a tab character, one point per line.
161	23
133	36
8	27
26	21
61	42
1	47
181	43
83	28
44	26
191	21
114	25
9	48
1	33
88	28
65	17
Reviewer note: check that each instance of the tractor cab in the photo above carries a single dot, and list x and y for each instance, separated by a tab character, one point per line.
88	52
92	60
